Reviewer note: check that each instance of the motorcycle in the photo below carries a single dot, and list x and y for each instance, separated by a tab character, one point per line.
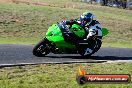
54	41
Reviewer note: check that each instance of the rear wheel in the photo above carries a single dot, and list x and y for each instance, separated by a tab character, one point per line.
95	46
83	48
42	48
82	53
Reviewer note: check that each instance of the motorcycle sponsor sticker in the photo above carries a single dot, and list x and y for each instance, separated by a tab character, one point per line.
83	78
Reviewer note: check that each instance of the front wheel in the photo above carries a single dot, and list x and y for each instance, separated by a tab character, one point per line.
41	49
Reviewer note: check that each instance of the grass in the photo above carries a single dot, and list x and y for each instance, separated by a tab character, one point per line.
59	75
27	24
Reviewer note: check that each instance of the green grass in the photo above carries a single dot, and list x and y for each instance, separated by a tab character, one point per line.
27	24
59	75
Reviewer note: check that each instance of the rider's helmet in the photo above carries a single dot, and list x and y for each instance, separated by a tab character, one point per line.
86	18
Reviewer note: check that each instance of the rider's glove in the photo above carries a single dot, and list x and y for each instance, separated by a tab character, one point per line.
64	27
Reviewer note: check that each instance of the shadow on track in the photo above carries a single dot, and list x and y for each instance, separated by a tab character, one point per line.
110	58
94	57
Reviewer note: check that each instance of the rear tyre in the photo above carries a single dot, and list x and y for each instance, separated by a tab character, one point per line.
41	49
81	51
95	48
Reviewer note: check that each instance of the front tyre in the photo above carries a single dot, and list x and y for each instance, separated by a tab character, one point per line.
41	49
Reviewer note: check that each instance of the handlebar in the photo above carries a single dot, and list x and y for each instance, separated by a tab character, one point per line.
62	25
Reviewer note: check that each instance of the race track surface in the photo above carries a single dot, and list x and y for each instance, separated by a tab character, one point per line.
22	54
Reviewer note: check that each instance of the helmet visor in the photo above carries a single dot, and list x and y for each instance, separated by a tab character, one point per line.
86	20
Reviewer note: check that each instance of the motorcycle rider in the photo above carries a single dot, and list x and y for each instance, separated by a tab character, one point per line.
93	32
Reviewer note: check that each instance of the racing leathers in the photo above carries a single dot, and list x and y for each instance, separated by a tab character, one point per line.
92	39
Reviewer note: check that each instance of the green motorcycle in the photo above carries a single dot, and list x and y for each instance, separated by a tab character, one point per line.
55	43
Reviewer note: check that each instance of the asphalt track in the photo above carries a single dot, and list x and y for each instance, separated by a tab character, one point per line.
22	55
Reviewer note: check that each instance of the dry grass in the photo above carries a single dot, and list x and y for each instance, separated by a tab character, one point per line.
59	75
31	22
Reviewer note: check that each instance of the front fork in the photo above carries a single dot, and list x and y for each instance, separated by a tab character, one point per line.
52	47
